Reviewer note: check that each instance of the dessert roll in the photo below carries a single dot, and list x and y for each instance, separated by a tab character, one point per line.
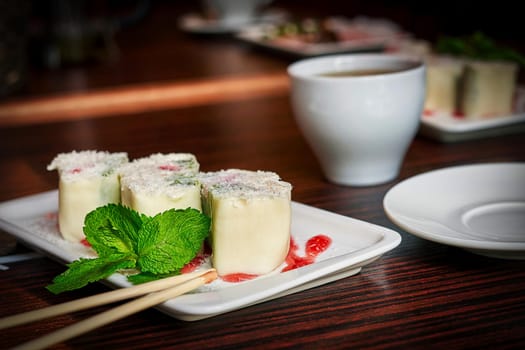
443	84
87	180
154	184
488	88
251	218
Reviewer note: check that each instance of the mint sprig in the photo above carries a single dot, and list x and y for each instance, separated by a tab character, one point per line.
170	235
124	239
478	46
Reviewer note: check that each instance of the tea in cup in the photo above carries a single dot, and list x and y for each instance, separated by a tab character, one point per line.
359	113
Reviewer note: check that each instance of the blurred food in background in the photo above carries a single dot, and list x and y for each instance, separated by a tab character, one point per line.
472	77
318	36
332	29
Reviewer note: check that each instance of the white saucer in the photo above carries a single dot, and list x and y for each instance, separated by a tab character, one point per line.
479	207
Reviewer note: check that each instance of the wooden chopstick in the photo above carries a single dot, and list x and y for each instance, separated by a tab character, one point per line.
99	299
125	100
118	312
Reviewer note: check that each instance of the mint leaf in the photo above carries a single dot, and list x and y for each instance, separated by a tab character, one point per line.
478	46
170	240
84	271
124	239
113	229
144	277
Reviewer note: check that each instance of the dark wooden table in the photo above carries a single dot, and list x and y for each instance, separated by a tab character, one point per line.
420	295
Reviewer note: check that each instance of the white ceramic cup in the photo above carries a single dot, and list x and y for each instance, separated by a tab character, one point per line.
234	12
359	127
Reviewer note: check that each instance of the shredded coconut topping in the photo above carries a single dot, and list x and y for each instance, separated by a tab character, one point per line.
75	165
244	184
168	174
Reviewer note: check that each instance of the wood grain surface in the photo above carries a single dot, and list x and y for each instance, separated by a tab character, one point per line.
421	295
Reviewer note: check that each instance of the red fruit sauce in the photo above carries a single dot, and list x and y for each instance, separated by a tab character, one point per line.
238	277
75	170
169	167
314	246
455	114
196	262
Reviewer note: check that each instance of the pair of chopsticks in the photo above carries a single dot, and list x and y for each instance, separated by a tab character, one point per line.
156	292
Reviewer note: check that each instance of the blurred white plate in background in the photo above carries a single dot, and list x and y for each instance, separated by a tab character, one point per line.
449	128
198	24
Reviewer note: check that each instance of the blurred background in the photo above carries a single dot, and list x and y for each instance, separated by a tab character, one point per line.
52	46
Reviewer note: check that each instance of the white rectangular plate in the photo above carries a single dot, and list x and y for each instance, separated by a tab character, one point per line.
360	34
256	36
355	243
447	128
